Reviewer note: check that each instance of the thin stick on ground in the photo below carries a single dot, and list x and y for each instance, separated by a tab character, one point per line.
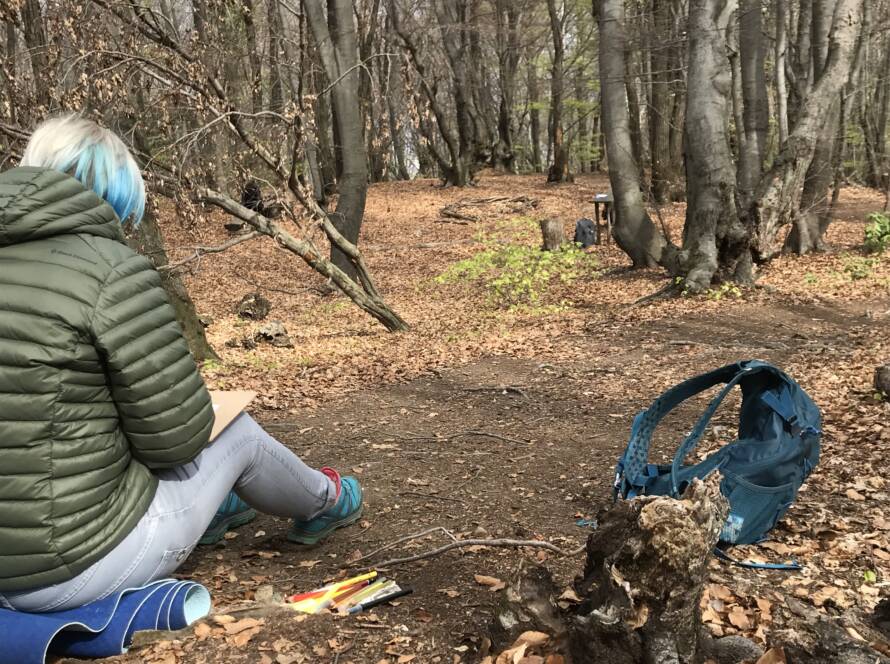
407	538
461	544
452	436
432	495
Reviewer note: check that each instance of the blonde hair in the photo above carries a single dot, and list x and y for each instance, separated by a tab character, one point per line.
95	156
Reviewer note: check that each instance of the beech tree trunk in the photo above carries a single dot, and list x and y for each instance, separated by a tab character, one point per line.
756	108
148	240
276	49
781	48
458	128
36	41
633	103
661	107
395	99
335	37
507	24
812	219
634	231
582	149
778	194
715	243
559	169
255	67
534	115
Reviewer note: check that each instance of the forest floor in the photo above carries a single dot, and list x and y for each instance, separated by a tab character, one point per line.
502	412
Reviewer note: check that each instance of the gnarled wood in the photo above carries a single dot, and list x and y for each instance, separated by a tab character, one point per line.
643	580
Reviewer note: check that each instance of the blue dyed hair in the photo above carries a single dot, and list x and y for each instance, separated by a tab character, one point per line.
95	156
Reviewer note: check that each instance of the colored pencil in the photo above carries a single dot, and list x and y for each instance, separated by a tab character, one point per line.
316	600
333	586
370	604
367	592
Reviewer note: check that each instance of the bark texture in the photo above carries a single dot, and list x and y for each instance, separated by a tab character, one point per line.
559	169
646	568
335	36
634	231
813	218
756	109
664	176
552	233
715	243
777	197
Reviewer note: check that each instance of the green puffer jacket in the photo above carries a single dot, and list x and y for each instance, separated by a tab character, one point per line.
97	386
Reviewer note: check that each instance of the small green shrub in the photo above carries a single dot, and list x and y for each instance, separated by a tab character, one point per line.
517	274
721	291
724	290
877	233
857	267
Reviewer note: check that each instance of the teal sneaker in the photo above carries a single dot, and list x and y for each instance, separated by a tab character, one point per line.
233	513
347	510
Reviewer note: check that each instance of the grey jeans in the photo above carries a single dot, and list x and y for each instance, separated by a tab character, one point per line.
263	472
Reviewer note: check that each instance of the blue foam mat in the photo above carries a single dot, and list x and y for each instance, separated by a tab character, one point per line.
103	628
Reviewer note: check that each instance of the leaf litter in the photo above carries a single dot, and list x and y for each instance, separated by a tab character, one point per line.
593	358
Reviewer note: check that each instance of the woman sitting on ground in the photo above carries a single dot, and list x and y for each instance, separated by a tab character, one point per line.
107	480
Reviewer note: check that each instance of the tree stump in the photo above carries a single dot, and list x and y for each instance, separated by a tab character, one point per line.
644	576
253	306
553	234
882	379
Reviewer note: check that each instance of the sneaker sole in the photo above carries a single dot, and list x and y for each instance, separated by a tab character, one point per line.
302	537
227	524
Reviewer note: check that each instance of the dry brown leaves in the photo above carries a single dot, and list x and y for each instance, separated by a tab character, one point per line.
527	649
834	328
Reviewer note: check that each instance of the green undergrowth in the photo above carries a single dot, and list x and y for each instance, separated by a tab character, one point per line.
877	233
522	277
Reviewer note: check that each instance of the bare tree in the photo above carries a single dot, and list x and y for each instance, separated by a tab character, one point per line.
634	231
534	114
753	132
507	15
715	243
778	194
559	169
335	39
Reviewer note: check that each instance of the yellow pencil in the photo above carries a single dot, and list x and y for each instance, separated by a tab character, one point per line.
323	596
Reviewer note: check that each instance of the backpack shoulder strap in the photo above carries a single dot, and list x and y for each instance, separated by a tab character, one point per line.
631	471
746	369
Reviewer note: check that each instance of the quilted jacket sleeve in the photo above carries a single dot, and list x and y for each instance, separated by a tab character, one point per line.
163	404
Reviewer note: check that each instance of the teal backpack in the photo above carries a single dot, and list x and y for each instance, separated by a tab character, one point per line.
777	448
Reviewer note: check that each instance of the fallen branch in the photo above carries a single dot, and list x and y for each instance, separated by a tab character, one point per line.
459	434
456	210
462	544
368	299
407	538
201	251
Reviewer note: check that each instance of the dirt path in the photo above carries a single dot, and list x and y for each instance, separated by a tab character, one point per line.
504	447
